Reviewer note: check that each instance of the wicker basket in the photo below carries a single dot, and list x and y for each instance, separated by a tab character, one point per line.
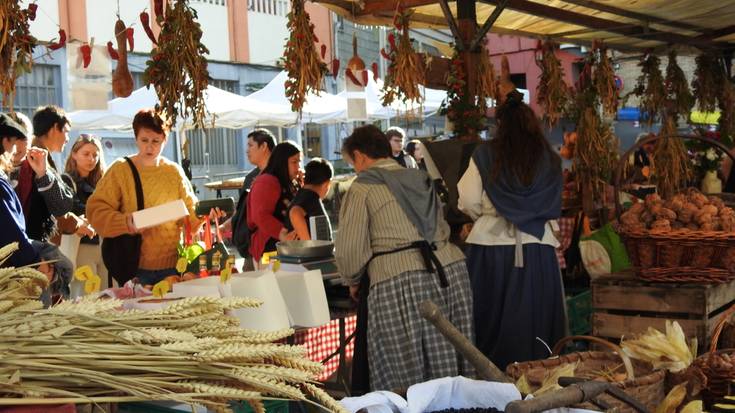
719	375
677	255
643	383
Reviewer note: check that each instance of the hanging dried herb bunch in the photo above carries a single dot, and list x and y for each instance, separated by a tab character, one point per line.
603	77
552	91
301	59
650	88
460	107
707	81
405	72
16	46
595	154
486	86
178	66
678	96
726	102
671	166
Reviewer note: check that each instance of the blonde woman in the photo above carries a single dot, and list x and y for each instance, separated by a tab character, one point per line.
84	168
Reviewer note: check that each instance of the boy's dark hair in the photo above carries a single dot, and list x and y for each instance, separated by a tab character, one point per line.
369	140
263	136
318	171
48	117
395	131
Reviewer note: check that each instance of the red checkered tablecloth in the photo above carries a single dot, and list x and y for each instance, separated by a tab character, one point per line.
566	228
322	341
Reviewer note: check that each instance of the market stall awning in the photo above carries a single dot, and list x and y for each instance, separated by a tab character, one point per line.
623	24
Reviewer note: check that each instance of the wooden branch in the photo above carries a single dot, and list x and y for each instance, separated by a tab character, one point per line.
647	18
488	24
714	34
567	16
452	24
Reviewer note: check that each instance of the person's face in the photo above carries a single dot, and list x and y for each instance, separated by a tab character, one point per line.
57	138
294	166
150	144
86	158
257	153
9	145
396	144
418	154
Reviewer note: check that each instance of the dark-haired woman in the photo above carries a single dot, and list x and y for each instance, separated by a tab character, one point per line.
512	189
270	195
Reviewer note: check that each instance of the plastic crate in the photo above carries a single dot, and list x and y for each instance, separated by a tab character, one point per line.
579	311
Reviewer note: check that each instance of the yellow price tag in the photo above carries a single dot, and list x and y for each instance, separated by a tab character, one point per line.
160	289
225	275
181	265
83	273
276	265
92	284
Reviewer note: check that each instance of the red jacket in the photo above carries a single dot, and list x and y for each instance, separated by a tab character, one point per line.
265	194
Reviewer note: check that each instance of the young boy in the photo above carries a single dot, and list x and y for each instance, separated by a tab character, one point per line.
308	201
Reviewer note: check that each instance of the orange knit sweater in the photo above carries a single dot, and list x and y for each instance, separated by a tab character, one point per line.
114	198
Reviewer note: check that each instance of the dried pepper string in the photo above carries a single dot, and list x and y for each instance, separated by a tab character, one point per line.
178	65
301	59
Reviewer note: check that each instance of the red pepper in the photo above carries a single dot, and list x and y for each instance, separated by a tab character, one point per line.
375	71
131	43
364	78
86	51
32	11
324	51
397	22
335	67
352	77
385	55
316	39
145	20
392	41
112	52
158	8
61	43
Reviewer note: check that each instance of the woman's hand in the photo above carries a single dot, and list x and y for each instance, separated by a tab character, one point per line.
131	224
288	236
85	229
37	160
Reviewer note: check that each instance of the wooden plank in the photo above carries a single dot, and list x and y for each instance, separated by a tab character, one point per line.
436	73
664	299
634	15
480	35
720	295
615	326
452	24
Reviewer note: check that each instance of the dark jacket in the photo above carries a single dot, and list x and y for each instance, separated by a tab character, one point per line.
13	224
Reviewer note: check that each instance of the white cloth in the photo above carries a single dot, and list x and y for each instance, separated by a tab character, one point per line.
490	228
440	394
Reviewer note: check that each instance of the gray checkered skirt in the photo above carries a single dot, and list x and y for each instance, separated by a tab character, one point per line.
404	348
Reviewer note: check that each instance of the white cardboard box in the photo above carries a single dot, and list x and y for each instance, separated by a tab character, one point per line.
305	297
160	214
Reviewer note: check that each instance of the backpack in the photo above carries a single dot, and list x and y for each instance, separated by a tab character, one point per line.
240	230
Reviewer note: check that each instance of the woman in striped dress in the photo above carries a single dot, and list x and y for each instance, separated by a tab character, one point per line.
393	243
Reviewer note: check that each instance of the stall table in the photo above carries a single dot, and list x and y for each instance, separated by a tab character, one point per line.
226	185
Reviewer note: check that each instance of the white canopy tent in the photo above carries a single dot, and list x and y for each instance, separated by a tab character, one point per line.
228	110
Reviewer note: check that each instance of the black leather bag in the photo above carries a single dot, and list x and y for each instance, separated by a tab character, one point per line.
121	254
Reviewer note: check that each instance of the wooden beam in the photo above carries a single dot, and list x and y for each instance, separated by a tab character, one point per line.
634	15
452	24
714	34
488	24
566	16
372	7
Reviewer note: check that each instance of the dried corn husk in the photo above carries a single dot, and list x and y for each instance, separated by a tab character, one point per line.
668	351
694	406
673	400
551	381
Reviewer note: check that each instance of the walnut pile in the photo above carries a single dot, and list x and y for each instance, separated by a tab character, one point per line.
690	210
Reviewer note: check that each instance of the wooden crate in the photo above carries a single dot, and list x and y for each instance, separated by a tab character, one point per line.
624	305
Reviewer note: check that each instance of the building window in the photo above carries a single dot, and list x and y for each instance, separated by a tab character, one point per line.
221	146
270	7
38	88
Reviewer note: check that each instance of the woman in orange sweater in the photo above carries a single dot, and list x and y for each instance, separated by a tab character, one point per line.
110	207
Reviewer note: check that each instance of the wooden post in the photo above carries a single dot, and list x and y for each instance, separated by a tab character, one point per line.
467	22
